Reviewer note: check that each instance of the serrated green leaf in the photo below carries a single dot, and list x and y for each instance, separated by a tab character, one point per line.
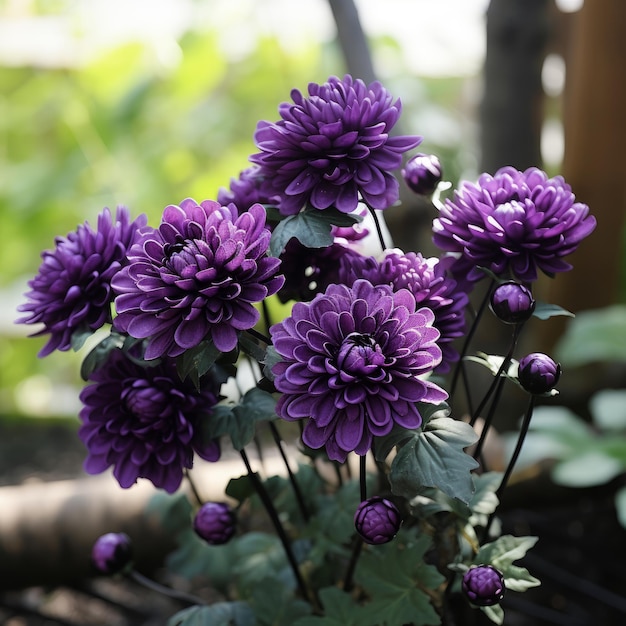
196	362
239	421
240	489
311	227
100	353
518	578
504	550
435	457
495	613
545	311
218	614
395	576
339	610
271	358
274	605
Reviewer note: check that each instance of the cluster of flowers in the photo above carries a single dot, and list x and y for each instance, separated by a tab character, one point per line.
353	359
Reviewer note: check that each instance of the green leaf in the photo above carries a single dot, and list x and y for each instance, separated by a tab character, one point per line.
501	553
435	457
196	362
596	335
311	227
79	336
240	489
339	610
100	353
495	613
239	421
545	311
396	578
271	358
219	614
251	347
275	605
172	511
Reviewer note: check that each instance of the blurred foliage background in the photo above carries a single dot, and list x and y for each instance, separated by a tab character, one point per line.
155	116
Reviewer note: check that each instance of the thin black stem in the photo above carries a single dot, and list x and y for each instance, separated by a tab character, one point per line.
280	530
260	336
363	476
468	338
516	452
488	421
187	598
354	557
194	489
292	478
379	230
497	379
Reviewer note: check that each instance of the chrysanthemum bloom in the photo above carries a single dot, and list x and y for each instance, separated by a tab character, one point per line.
72	290
111	553
538	373
377	520
483	585
195	277
430	285
422	173
351	363
145	422
512	302
250	188
215	522
514	224
332	146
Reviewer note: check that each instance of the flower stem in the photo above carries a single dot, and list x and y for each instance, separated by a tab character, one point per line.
187	598
363	477
518	448
280	530
354	558
194	489
379	230
292	478
468	338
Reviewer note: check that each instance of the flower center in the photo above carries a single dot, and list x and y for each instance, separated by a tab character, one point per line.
359	355
144	401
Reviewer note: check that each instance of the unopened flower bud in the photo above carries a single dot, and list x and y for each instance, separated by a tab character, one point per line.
111	553
422	173
215	522
512	302
377	520
538	373
483	585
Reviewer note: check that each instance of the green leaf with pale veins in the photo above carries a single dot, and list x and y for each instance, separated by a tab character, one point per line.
435	457
275	605
311	227
396	578
339	610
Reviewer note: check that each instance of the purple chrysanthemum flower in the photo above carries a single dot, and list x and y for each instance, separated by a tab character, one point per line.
514	224
145	421
197	276
72	290
351	362
430	285
250	188
332	146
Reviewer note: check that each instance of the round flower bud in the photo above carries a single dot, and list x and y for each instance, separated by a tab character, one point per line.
111	553
538	373
422	173
215	522
483	585
377	520
512	302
